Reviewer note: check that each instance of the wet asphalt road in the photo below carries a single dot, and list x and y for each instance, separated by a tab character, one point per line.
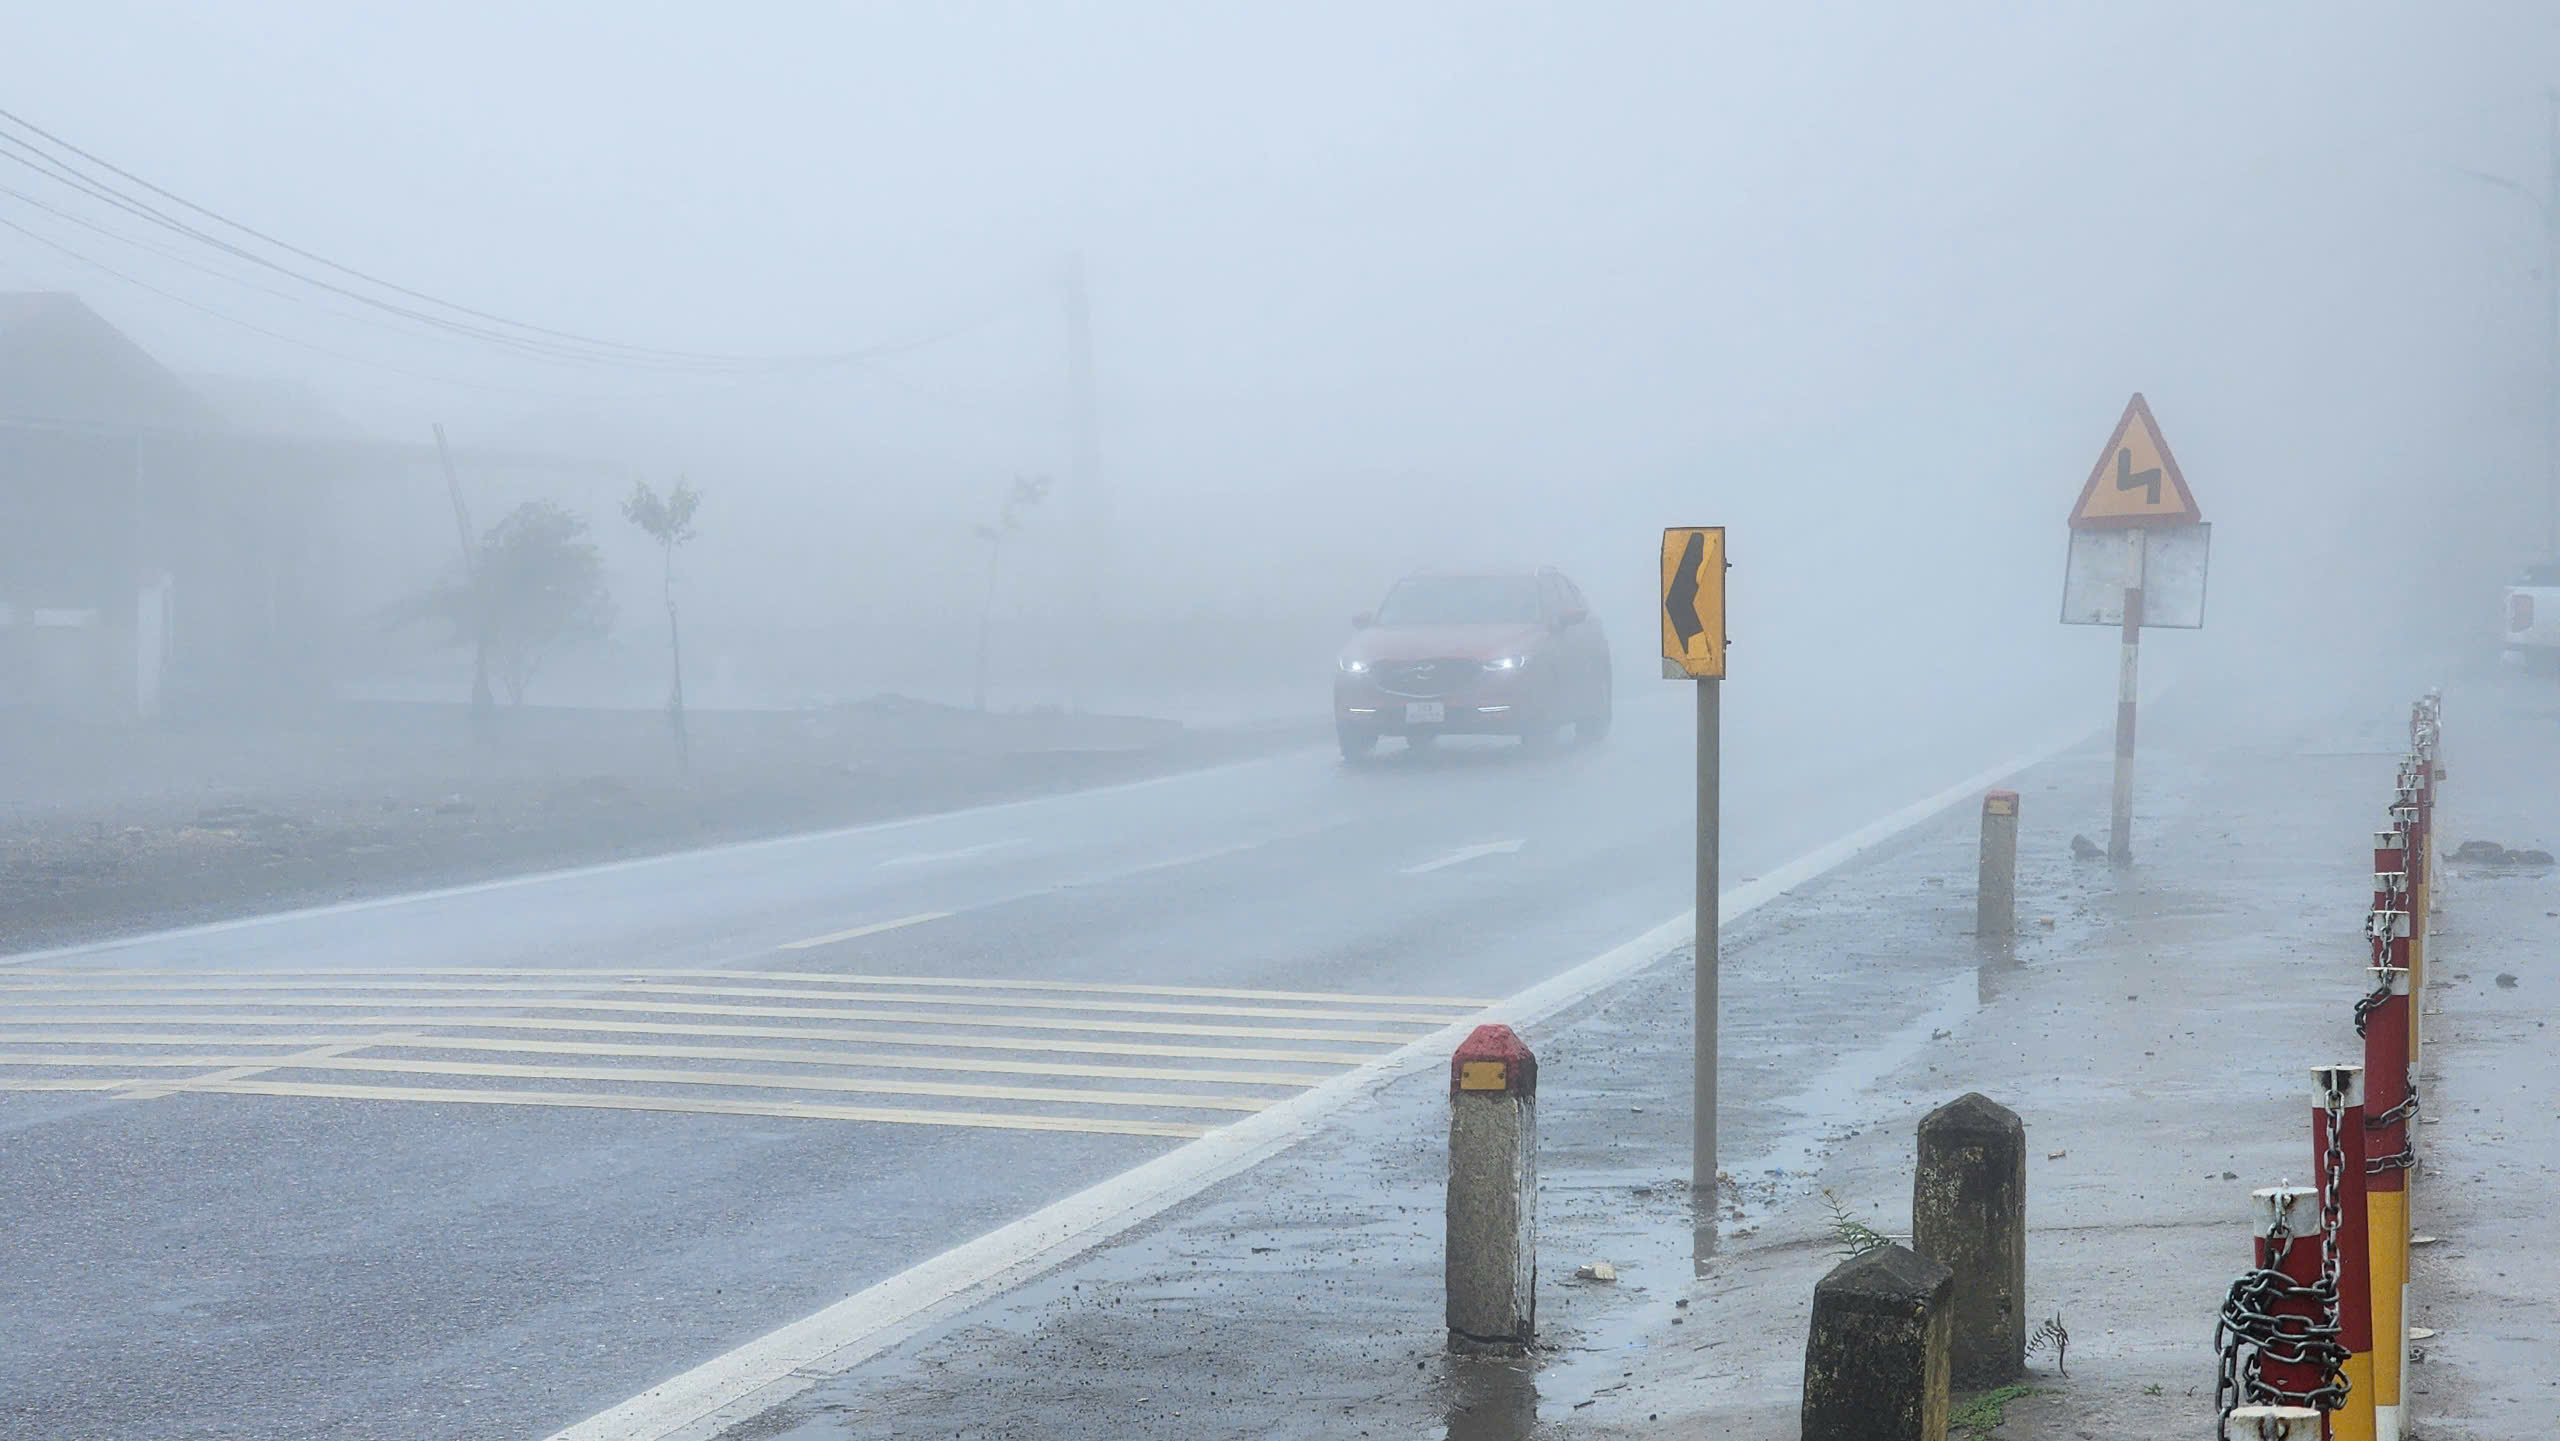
397	1199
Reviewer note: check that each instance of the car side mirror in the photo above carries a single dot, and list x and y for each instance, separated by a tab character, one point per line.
1364	620
1575	616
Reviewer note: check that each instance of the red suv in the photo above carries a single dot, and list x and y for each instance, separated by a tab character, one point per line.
1509	653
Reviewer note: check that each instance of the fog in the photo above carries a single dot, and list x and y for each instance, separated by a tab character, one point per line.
1373	288
422	1015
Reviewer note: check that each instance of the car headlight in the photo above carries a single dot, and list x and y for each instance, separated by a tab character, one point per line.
1352	667
1508	662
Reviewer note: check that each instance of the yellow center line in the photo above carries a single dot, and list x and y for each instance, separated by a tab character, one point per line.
237	1068
977	983
1002	1022
1023	1044
686	1105
425	1042
626	985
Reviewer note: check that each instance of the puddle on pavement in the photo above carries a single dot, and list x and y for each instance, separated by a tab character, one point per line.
1832	1100
1490	1400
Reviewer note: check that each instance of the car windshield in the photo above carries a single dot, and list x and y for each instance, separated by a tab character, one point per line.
1461	600
2540	575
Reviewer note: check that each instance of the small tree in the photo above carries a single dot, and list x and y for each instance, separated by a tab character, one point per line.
668	520
1026	492
535	584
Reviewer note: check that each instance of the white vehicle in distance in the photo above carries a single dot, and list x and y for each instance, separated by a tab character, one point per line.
2533	617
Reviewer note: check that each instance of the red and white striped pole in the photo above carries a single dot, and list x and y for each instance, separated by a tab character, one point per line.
2290	1367
2276	1423
2422	770
2392	924
2338	1161
2389	1109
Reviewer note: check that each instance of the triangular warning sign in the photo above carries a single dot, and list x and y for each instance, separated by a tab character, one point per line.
2136	481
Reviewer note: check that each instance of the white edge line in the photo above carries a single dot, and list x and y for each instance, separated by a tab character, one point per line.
781	1364
605	868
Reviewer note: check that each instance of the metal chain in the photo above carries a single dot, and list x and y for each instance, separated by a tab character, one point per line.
2251	1333
2367	1004
2406	1158
2333	1169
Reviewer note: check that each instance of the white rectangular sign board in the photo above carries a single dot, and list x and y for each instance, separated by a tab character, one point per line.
2169	561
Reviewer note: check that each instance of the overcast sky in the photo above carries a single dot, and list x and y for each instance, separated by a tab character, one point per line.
1379	282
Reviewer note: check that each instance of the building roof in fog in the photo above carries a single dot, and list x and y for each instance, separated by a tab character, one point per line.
272	407
61	362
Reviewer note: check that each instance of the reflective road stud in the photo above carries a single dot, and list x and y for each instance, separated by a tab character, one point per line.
2387	1116
2338	1160
1492	1257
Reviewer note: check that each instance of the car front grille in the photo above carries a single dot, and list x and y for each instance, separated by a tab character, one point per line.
1426	679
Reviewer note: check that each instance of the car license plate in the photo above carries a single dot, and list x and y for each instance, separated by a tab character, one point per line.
1424	712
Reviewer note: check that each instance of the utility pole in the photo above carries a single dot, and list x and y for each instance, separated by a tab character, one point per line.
1090	503
484	708
2551	328
2546	202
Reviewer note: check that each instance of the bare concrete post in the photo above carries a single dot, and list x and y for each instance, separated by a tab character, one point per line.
1876	1366
2274	1423
1995	894
1969	1213
1493	1194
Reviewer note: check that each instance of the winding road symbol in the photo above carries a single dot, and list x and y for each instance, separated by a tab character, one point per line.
2128	478
1680	600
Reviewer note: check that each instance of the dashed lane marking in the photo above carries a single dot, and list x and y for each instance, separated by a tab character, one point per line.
930	858
1464	854
858	932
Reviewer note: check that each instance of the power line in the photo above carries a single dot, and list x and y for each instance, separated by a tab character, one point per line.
48	167
541	342
174	257
55	245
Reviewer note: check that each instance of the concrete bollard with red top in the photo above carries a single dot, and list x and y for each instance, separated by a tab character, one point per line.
1492	1244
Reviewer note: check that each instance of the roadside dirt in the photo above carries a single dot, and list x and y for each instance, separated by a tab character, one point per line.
109	833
